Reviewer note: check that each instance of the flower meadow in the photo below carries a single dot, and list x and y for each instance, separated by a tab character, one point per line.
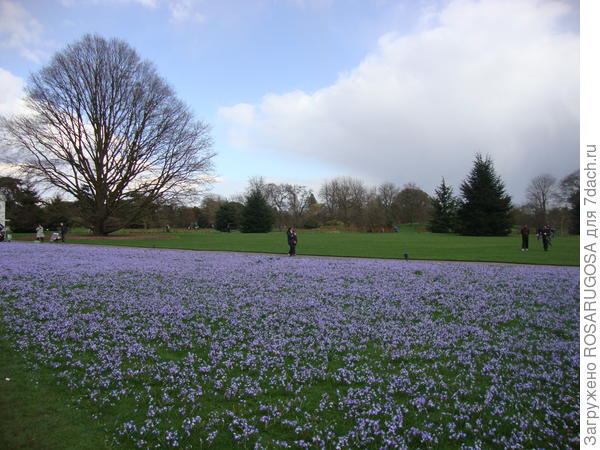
220	350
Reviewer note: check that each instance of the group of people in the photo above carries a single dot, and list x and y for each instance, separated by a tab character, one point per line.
59	235
545	233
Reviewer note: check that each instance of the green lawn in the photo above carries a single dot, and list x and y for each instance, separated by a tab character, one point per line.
418	245
35	411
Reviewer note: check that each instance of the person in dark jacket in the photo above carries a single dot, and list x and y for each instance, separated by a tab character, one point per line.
292	238
62	230
525	239
546	237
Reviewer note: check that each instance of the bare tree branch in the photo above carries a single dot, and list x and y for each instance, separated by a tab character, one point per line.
540	193
105	128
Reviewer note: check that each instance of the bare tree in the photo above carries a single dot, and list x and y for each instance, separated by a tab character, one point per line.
412	204
386	194
375	211
328	193
297	198
570	198
276	197
256	183
345	199
289	201
540	192
105	128
210	206
568	187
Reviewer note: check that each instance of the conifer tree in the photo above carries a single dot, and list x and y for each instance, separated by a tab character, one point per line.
444	204
22	204
257	215
228	216
485	207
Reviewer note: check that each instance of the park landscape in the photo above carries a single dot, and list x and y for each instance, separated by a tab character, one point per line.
161	315
122	347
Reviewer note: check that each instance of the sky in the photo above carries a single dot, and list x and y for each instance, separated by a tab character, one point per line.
302	91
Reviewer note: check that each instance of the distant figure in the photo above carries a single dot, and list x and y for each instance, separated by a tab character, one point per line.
39	233
525	239
1	232
546	235
62	230
292	238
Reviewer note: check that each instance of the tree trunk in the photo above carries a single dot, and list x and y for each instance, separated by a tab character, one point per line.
98	227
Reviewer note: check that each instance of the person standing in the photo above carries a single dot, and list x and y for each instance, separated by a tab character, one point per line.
39	233
525	239
546	236
62	229
292	240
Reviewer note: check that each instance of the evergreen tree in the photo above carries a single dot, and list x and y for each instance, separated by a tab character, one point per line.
23	209
202	219
257	215
485	208
444	204
228	216
56	211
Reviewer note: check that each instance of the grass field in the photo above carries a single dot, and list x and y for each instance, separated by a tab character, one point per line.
106	347
418	245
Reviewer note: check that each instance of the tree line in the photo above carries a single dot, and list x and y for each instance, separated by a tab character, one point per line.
485	209
482	208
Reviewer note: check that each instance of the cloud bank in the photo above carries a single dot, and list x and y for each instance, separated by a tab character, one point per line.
500	77
11	94
19	30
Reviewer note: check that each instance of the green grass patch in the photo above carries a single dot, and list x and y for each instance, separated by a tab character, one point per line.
37	413
417	245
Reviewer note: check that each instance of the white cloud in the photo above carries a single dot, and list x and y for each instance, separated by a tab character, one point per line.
243	115
11	102
492	76
11	94
20	30
185	11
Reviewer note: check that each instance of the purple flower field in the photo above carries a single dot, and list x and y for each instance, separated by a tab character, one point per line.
210	350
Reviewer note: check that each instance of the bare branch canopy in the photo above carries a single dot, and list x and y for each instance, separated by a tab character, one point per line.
105	128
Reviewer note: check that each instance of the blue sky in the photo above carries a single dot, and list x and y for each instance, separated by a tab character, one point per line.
301	91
